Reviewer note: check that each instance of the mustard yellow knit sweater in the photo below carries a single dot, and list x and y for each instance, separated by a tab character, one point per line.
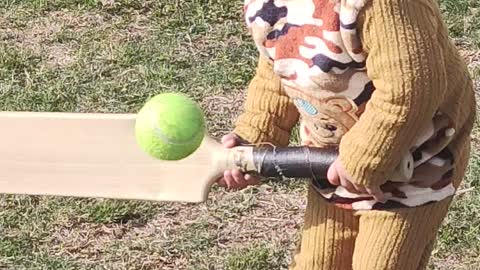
375	78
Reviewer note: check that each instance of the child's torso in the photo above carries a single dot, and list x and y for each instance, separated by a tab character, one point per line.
314	47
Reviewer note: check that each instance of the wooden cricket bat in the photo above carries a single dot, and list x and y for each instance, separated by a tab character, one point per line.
96	155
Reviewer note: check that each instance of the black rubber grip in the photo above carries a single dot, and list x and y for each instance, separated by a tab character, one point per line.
295	162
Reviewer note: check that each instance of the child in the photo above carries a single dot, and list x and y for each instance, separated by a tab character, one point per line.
377	79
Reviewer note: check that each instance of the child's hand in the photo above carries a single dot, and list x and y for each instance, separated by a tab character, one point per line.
338	176
235	179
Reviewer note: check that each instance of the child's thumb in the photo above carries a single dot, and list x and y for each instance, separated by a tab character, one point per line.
229	140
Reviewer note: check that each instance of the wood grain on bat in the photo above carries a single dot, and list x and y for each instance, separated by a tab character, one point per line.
94	155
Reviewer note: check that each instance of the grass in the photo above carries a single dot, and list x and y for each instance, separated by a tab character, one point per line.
461	17
110	56
255	257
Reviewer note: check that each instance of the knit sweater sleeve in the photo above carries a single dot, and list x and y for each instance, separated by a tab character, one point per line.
406	66
269	114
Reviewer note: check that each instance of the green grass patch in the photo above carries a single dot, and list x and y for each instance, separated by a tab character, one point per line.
45	262
194	52
256	257
463	19
460	234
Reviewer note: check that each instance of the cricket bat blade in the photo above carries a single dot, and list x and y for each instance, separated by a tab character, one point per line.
93	155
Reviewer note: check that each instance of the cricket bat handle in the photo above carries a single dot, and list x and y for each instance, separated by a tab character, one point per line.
299	162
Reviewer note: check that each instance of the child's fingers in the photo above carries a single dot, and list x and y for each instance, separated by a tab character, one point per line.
226	137
229	140
239	178
235	179
332	175
221	182
252	180
348	185
227	176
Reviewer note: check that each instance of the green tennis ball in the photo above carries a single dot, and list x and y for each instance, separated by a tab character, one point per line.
170	126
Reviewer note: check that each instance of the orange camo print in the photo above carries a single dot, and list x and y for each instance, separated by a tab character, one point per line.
288	46
325	10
